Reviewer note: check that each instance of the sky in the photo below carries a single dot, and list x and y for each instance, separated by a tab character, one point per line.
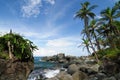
49	24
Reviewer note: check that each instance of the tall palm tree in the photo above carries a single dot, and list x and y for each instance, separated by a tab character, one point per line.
85	13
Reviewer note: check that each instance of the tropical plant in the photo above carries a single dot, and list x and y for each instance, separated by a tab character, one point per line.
17	46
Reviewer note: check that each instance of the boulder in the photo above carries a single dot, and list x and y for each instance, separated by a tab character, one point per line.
64	76
90	61
67	77
95	67
110	78
78	75
61	56
117	76
109	67
88	71
72	69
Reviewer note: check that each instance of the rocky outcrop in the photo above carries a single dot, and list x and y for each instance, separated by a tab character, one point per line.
15	70
59	58
86	68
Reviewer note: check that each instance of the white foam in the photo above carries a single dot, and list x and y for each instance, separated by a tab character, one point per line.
51	73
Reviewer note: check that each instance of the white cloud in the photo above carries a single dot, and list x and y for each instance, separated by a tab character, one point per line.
31	8
59	43
44	52
67	45
51	1
98	17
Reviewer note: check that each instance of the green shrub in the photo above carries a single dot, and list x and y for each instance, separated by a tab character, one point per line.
109	53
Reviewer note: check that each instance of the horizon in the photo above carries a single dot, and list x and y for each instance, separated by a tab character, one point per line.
49	24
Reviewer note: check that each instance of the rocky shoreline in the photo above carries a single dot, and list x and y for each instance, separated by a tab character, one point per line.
86	68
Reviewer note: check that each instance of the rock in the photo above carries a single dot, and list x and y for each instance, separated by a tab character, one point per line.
61	55
64	76
100	76
66	65
78	75
72	69
15	70
88	71
95	67
67	77
117	76
110	78
2	66
61	74
90	61
109	67
54	78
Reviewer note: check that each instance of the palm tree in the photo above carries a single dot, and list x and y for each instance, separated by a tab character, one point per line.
92	29
85	13
109	15
86	45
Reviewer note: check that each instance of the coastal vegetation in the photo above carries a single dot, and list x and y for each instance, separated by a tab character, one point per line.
101	36
14	46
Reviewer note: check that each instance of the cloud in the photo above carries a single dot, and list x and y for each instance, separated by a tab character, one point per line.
31	8
44	52
98	17
51	1
59	43
67	45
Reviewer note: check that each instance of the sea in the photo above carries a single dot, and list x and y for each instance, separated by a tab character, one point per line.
44	69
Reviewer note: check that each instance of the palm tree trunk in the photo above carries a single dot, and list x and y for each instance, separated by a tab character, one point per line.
88	36
98	44
10	52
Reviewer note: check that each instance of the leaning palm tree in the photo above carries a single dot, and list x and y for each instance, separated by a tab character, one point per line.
85	13
86	45
93	32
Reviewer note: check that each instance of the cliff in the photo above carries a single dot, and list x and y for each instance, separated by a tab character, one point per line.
15	69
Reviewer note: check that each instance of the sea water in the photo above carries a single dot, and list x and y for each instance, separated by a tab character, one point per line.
43	69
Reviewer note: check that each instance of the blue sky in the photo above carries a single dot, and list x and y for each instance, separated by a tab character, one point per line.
50	24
